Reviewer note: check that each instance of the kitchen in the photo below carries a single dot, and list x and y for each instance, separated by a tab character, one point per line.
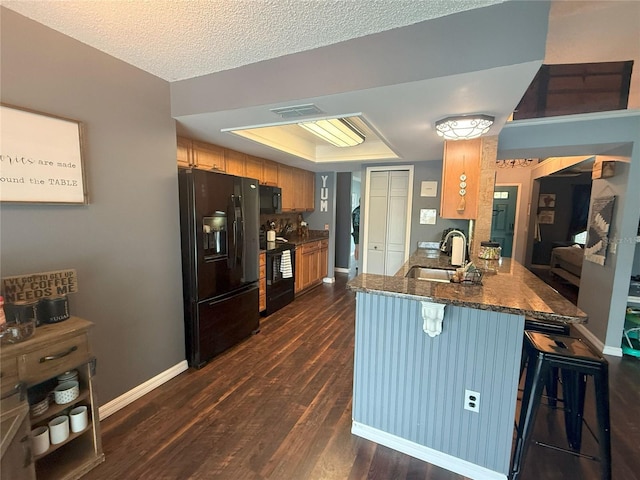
127	248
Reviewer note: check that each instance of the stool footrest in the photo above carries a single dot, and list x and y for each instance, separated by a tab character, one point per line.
566	450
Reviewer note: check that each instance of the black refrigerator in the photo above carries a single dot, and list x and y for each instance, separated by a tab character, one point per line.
219	223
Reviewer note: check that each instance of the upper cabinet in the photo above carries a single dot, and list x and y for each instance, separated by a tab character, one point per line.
253	168
270	173
285	182
298	186
208	156
298	189
309	191
236	162
460	179
185	148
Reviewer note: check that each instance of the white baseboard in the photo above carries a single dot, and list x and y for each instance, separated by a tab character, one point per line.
448	462
132	395
329	279
613	351
605	349
341	270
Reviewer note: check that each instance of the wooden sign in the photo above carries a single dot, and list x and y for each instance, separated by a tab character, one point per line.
40	158
39	285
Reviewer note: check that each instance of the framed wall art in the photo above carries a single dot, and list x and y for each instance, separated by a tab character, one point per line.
547	217
41	158
547	200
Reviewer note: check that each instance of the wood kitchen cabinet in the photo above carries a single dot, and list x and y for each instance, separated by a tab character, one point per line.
185	150
262	283
270	173
254	168
298	189
323	259
309	191
461	179
52	350
208	156
298	185
235	162
311	264
286	183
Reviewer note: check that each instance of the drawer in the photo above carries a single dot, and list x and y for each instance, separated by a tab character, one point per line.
310	247
51	360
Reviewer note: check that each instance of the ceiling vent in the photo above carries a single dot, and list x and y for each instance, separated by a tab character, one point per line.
297	111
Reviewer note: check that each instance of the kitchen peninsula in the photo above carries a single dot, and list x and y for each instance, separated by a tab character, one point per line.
410	387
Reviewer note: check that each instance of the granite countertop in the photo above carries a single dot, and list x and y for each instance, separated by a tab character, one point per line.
314	236
507	286
293	238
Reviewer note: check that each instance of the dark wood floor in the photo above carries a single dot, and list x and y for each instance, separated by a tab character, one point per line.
278	406
566	289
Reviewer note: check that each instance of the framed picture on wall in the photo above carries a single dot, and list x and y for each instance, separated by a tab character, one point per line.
547	200
41	158
547	217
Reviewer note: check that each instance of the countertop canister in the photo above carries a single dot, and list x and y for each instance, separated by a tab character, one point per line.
490	251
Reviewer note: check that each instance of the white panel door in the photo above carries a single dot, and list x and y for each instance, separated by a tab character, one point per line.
377	224
396	221
387	221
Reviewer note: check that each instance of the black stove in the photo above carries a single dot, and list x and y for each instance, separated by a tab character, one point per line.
280	272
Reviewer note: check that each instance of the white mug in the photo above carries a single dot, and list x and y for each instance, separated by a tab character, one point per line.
59	429
40	440
78	418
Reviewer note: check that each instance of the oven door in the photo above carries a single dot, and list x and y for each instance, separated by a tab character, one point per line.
280	274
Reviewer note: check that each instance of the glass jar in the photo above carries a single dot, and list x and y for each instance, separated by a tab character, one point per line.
490	251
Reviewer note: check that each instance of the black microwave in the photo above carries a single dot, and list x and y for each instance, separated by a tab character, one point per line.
270	200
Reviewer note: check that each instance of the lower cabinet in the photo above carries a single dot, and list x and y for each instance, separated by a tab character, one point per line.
53	351
311	264
262	302
17	458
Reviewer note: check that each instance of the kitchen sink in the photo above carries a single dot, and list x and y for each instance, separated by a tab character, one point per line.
431	274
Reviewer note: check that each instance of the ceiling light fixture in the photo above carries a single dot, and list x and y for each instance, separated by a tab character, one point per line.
464	127
336	131
515	162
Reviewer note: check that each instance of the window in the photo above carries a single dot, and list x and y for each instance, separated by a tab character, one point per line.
580	237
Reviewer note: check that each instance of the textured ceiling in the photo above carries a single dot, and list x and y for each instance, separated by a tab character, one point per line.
175	40
402	64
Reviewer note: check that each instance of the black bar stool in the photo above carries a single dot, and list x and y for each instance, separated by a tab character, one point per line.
551	386
576	360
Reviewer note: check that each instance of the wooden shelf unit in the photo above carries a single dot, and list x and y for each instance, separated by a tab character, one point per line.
51	351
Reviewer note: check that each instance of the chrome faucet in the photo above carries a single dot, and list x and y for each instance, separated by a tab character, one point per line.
443	248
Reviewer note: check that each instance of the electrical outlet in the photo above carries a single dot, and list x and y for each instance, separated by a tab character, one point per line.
472	401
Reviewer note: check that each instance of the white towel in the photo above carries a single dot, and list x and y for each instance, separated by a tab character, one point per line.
285	266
